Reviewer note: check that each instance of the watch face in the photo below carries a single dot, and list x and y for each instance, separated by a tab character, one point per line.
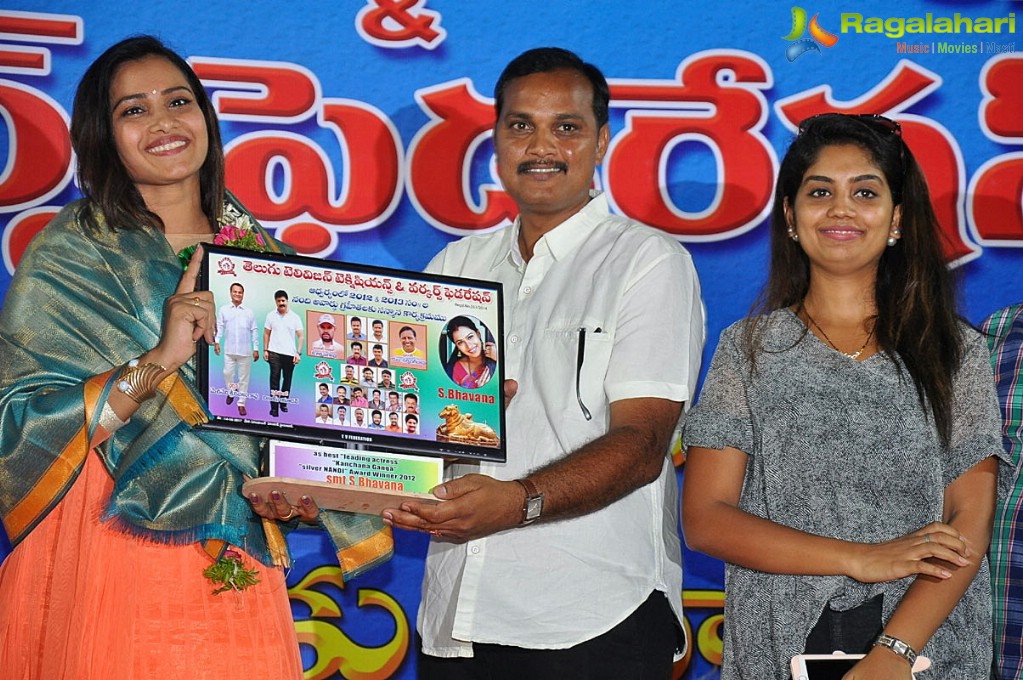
533	507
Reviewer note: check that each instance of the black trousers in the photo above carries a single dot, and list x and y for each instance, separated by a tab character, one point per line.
280	364
642	647
852	631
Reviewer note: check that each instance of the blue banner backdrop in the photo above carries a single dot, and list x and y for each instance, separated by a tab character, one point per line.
360	131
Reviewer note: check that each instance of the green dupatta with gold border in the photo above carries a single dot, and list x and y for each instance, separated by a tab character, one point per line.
80	306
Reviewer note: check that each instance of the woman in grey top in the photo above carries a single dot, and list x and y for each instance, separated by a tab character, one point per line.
841	459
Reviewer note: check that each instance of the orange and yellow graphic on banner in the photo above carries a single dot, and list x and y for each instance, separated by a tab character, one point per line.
337	653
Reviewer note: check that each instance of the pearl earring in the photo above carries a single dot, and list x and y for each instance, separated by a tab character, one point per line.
894	238
792	234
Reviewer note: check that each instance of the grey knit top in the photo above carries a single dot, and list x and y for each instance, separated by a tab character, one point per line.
843	449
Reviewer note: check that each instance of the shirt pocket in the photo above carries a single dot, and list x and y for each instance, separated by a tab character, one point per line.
582	348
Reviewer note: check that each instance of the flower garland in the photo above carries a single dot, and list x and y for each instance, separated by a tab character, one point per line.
236	229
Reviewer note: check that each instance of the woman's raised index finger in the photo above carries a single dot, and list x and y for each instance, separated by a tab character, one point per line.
191	275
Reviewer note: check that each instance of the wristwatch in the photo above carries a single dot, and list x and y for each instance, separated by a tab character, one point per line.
898	646
533	505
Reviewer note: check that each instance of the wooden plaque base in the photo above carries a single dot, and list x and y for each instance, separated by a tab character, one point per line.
333	496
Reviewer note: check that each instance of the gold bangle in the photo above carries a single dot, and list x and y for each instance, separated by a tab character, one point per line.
139	383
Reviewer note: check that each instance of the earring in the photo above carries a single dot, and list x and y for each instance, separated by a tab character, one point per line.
894	238
792	234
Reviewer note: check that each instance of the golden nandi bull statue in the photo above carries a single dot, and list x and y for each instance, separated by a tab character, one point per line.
459	427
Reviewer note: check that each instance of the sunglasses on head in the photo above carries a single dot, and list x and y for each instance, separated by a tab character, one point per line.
877	121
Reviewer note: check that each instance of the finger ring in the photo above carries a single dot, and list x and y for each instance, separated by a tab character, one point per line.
195	301
927	538
285	518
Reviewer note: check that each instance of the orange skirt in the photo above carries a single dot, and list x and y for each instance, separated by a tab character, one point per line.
80	600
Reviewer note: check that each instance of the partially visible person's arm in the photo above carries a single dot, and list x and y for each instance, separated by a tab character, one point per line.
969	509
658	340
254	333
298	344
714	524
188	315
629	456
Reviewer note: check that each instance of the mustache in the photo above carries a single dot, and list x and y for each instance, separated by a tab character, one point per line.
533	165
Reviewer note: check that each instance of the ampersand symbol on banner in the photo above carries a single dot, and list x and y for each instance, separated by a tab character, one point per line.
397	22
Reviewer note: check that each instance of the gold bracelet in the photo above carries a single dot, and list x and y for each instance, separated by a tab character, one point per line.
139	383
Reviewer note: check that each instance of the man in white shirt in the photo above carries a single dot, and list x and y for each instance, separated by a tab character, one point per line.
378	332
238	337
325	346
565	561
323	415
282	343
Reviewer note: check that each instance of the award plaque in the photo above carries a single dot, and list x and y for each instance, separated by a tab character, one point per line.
346	479
364	379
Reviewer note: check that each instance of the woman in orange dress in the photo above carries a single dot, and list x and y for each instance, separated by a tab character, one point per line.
117	510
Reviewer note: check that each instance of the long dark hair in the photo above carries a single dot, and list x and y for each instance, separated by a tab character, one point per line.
102	176
455	354
915	293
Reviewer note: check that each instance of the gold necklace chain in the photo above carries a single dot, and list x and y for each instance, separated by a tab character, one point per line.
855	355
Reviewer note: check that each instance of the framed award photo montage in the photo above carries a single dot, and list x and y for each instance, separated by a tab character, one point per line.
347	355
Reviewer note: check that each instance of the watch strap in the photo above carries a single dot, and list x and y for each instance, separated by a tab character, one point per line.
532	494
897	646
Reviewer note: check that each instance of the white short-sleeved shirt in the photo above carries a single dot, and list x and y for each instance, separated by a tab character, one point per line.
633	293
283	330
